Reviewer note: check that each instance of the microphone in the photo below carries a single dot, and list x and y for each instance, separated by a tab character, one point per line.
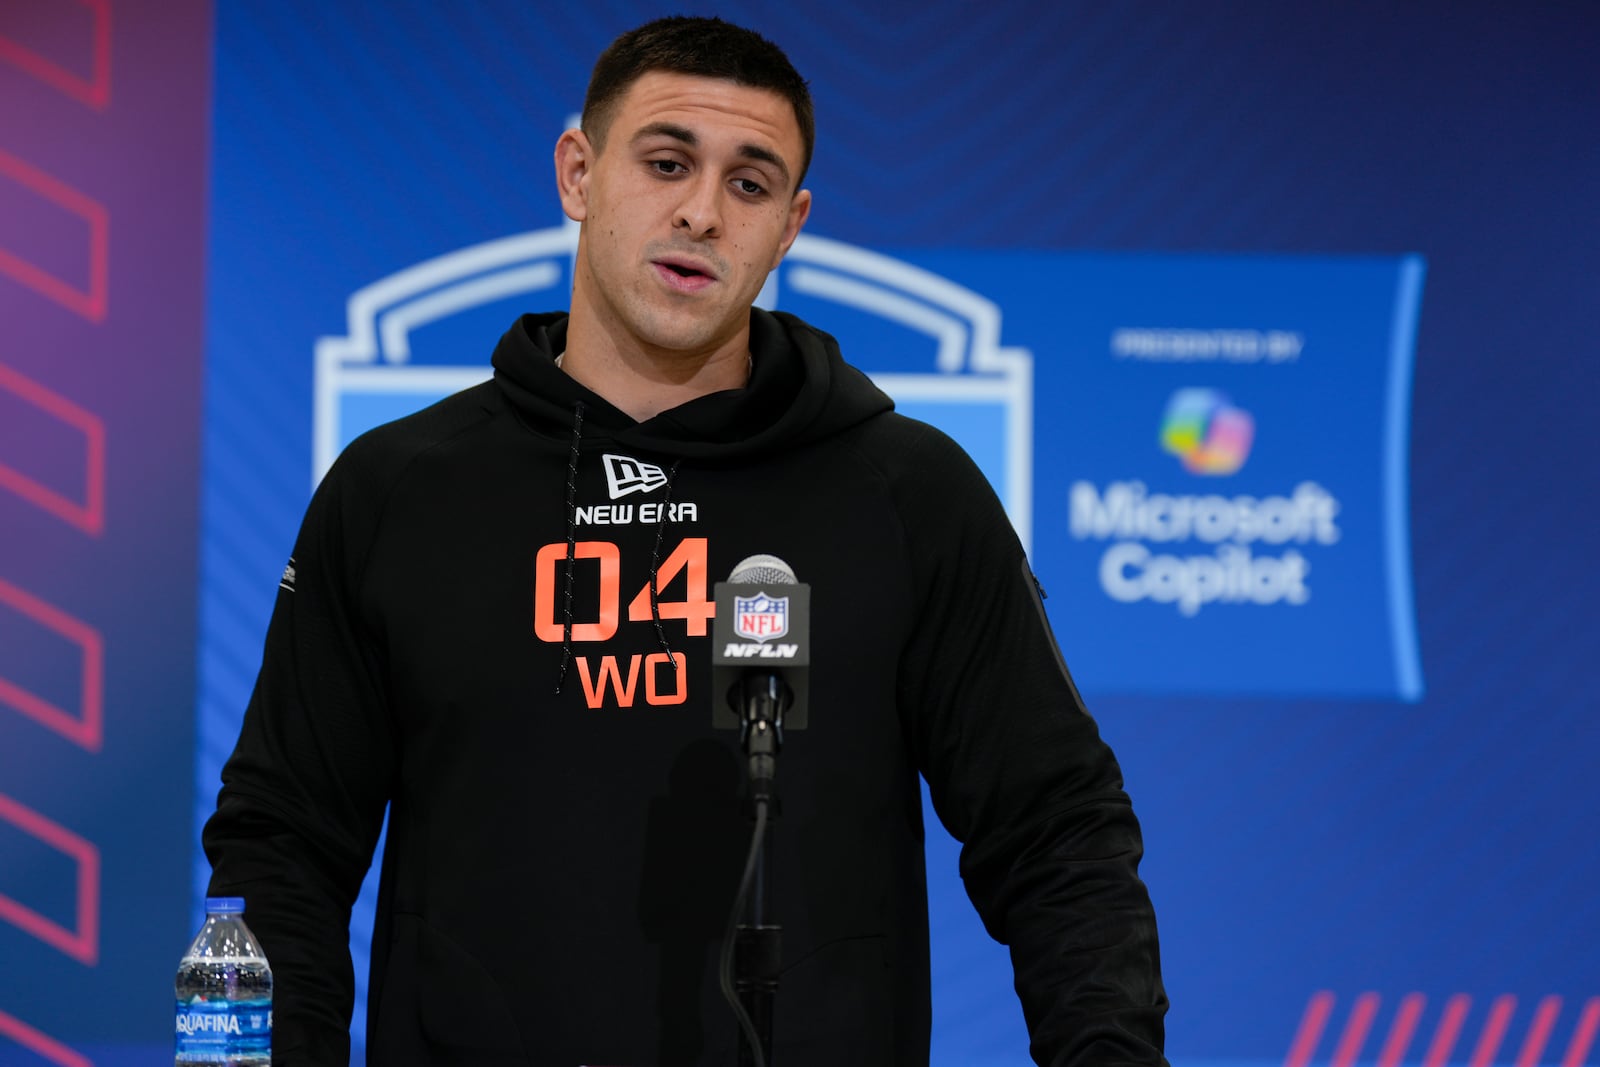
761	647
760	653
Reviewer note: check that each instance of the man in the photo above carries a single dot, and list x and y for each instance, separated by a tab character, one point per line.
498	626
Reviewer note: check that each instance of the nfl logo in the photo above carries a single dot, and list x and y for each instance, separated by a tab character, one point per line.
760	617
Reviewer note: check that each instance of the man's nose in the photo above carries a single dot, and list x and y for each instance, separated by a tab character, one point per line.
700	211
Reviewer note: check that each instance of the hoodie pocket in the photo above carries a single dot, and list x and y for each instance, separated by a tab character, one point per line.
437	995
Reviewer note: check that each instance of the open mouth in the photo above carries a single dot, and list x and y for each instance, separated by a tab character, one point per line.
684	277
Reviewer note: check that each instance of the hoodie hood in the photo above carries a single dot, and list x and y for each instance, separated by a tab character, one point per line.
800	390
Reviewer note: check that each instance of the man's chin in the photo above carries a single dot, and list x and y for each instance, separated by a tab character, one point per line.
684	335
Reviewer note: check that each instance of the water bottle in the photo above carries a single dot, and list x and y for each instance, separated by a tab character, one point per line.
224	990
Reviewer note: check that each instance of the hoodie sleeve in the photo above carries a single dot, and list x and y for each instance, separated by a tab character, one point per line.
1019	774
303	794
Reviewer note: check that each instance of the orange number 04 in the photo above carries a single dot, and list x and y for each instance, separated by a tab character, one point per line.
696	609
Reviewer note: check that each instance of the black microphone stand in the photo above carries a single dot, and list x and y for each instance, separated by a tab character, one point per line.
758	942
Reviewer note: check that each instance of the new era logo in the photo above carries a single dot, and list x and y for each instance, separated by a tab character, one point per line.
625	475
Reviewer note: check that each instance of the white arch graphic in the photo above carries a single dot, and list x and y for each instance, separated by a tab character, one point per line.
970	364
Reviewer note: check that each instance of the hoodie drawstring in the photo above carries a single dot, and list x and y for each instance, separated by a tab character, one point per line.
655	561
572	551
572	542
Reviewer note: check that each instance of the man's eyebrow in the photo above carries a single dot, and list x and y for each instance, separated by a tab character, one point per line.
667	129
688	137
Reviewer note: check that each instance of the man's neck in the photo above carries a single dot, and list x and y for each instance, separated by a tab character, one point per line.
643	382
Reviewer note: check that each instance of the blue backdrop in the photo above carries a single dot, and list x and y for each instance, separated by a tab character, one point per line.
1272	325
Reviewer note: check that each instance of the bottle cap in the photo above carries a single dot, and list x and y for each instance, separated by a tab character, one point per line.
224	905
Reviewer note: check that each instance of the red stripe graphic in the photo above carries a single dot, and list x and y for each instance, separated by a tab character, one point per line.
88	515
94	91
1583	1036
1311	1023
42	1044
1444	1038
1544	1018
90	302
1402	1029
82	944
86	730
1355	1030
1494	1031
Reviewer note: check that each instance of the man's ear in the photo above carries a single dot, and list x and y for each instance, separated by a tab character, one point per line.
799	211
574	158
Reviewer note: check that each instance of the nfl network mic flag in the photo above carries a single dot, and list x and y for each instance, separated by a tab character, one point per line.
756	631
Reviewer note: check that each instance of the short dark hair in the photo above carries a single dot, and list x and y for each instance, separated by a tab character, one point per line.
702	47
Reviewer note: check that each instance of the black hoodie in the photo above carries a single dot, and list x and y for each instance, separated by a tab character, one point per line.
565	831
